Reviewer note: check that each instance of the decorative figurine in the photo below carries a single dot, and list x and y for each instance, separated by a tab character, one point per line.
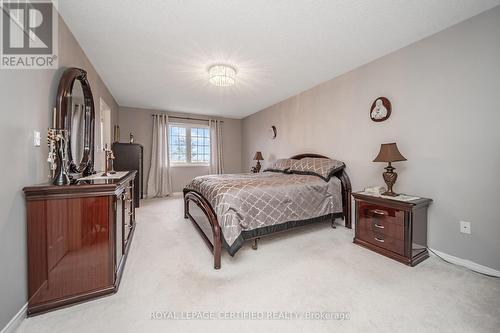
108	168
58	159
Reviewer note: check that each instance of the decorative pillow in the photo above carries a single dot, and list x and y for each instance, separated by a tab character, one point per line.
281	165
322	167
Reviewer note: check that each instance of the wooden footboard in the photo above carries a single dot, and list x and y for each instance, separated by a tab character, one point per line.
213	240
346	198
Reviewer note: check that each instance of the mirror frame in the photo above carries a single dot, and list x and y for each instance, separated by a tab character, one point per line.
64	114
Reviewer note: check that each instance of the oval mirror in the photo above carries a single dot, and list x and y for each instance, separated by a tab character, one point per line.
75	114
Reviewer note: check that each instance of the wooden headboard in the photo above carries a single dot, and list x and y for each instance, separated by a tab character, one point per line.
301	156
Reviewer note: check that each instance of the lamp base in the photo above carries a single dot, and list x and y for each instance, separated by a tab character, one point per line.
256	168
390	179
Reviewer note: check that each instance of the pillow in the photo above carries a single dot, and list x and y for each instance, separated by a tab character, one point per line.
281	165
322	167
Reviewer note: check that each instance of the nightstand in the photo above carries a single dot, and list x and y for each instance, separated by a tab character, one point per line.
395	229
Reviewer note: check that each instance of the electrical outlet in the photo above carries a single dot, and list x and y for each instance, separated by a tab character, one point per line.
465	227
36	139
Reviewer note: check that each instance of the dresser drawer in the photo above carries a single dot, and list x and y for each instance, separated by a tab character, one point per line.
382	226
384	214
382	240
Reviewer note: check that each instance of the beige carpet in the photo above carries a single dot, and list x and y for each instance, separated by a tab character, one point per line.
315	269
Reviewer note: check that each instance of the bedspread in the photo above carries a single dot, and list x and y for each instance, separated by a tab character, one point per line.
244	202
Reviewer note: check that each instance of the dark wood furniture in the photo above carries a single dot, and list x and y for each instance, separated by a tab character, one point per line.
78	239
204	218
130	156
396	229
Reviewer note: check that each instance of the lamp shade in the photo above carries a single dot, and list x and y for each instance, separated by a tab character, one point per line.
389	153
258	156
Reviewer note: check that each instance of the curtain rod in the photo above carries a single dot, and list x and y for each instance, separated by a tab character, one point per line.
187	118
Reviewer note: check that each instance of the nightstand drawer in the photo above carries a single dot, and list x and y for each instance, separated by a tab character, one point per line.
385	214
381	240
382	226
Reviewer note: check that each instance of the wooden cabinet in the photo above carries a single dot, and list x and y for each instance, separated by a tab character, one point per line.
130	156
396	229
78	240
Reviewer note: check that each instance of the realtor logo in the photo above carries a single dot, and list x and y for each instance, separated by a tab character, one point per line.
29	34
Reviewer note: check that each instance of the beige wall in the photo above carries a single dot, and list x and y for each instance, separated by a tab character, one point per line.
446	115
27	98
140	122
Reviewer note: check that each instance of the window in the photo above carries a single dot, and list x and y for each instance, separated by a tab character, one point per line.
189	144
178	144
200	145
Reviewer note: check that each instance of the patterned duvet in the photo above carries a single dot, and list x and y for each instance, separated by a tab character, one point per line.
245	202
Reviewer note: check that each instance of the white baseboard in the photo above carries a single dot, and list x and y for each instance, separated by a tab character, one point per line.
16	321
467	264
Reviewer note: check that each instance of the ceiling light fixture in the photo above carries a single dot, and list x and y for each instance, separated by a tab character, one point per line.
221	75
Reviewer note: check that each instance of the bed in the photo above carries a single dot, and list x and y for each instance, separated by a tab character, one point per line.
231	209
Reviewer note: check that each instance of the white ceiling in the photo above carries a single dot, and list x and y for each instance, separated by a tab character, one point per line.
155	54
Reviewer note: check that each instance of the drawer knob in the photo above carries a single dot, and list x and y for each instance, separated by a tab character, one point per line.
379	239
376	225
379	212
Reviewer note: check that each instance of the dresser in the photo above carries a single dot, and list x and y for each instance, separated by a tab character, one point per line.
396	229
79	236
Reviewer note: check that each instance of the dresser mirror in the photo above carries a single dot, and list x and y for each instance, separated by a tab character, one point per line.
75	113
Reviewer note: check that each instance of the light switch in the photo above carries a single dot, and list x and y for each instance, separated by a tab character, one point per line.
36	139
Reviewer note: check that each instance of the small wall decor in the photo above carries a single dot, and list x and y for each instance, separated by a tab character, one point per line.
380	110
272	132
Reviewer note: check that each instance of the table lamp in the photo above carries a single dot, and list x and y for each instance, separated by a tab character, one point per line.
389	153
258	157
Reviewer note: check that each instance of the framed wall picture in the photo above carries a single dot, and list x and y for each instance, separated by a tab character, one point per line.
380	110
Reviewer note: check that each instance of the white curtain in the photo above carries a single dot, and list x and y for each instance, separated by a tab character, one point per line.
159	182
216	160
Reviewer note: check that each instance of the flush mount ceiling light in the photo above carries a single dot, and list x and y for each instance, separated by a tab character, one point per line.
222	75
